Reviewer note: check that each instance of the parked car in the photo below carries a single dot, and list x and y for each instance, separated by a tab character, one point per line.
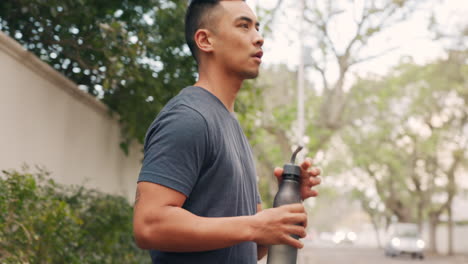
344	237
404	238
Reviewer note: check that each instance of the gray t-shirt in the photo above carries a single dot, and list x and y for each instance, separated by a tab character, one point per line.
197	147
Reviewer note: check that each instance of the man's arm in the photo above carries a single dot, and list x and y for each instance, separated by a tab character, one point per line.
262	250
160	223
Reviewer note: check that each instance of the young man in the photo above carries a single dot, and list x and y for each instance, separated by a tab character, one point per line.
197	199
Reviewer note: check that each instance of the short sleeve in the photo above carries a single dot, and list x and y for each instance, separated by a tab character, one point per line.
175	149
259	197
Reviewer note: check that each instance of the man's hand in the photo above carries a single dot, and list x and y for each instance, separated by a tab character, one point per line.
309	178
276	225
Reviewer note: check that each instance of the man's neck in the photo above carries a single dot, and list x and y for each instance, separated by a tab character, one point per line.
221	84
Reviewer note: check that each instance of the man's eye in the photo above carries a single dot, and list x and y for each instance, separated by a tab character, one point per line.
245	25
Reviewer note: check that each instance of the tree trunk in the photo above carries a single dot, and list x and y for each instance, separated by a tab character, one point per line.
450	230
451	191
377	234
420	216
433	222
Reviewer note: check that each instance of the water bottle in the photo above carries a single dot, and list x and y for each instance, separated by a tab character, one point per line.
288	193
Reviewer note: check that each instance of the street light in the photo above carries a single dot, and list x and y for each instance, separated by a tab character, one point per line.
300	79
305	60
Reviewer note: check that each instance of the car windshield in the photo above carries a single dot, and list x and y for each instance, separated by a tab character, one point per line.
407	231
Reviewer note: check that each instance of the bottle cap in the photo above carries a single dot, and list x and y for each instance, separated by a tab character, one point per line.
290	170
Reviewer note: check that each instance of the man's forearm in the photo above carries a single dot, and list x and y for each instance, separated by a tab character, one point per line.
175	229
262	250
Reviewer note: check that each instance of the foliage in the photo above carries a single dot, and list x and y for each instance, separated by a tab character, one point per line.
248	107
44	222
275	122
325	114
408	139
339	53
130	54
331	55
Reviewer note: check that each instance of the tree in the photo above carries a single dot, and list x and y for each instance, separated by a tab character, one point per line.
372	19
454	39
410	138
130	54
325	114
272	140
329	55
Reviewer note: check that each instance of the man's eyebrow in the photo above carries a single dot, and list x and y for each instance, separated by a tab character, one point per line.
248	19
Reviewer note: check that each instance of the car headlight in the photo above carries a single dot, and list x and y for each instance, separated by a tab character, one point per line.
396	242
338	237
351	236
420	244
336	240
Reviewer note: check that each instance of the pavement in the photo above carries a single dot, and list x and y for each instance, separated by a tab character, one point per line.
359	255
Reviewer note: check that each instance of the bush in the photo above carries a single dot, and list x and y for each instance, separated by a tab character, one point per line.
45	222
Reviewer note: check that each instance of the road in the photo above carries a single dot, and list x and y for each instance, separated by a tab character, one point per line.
353	255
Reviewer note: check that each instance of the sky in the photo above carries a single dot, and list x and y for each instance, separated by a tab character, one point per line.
410	38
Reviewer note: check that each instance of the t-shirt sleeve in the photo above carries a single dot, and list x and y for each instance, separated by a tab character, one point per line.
259	197
175	149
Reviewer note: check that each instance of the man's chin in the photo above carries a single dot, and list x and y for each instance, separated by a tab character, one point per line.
250	74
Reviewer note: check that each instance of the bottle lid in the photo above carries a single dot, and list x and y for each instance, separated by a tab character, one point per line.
291	169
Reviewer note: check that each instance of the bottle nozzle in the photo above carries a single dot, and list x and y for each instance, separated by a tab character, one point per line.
293	158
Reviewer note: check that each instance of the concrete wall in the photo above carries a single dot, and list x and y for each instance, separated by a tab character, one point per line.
46	120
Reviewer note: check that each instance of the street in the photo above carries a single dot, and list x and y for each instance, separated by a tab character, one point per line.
354	255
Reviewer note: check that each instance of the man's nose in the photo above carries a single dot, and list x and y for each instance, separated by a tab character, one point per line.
258	41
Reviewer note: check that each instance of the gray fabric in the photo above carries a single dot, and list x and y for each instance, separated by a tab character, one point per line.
197	147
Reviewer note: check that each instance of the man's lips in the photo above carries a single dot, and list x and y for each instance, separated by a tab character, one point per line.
258	55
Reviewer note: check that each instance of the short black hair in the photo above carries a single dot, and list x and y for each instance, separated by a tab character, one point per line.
196	18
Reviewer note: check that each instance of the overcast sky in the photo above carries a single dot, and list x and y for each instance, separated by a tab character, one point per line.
410	38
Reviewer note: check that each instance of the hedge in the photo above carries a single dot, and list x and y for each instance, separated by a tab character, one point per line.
42	221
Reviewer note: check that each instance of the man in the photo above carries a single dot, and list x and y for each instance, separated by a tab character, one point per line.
197	199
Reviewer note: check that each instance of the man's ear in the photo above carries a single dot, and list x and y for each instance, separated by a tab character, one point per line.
204	40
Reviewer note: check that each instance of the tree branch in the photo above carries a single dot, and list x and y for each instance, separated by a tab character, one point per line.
371	57
273	14
322	73
281	137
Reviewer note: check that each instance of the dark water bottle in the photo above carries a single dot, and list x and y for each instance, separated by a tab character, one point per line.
288	193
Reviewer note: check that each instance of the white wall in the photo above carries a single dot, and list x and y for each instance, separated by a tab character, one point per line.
46	120
460	235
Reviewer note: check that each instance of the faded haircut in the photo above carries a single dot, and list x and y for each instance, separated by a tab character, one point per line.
198	16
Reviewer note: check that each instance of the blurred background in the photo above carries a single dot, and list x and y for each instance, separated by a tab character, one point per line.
377	92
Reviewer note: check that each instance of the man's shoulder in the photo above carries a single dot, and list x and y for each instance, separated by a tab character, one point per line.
189	110
195	100
180	115
195	110
177	121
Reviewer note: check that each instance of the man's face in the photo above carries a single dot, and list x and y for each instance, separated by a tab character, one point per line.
237	42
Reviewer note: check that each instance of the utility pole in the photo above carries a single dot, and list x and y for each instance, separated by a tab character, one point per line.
300	79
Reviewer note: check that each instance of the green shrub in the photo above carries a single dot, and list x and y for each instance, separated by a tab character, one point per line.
45	222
